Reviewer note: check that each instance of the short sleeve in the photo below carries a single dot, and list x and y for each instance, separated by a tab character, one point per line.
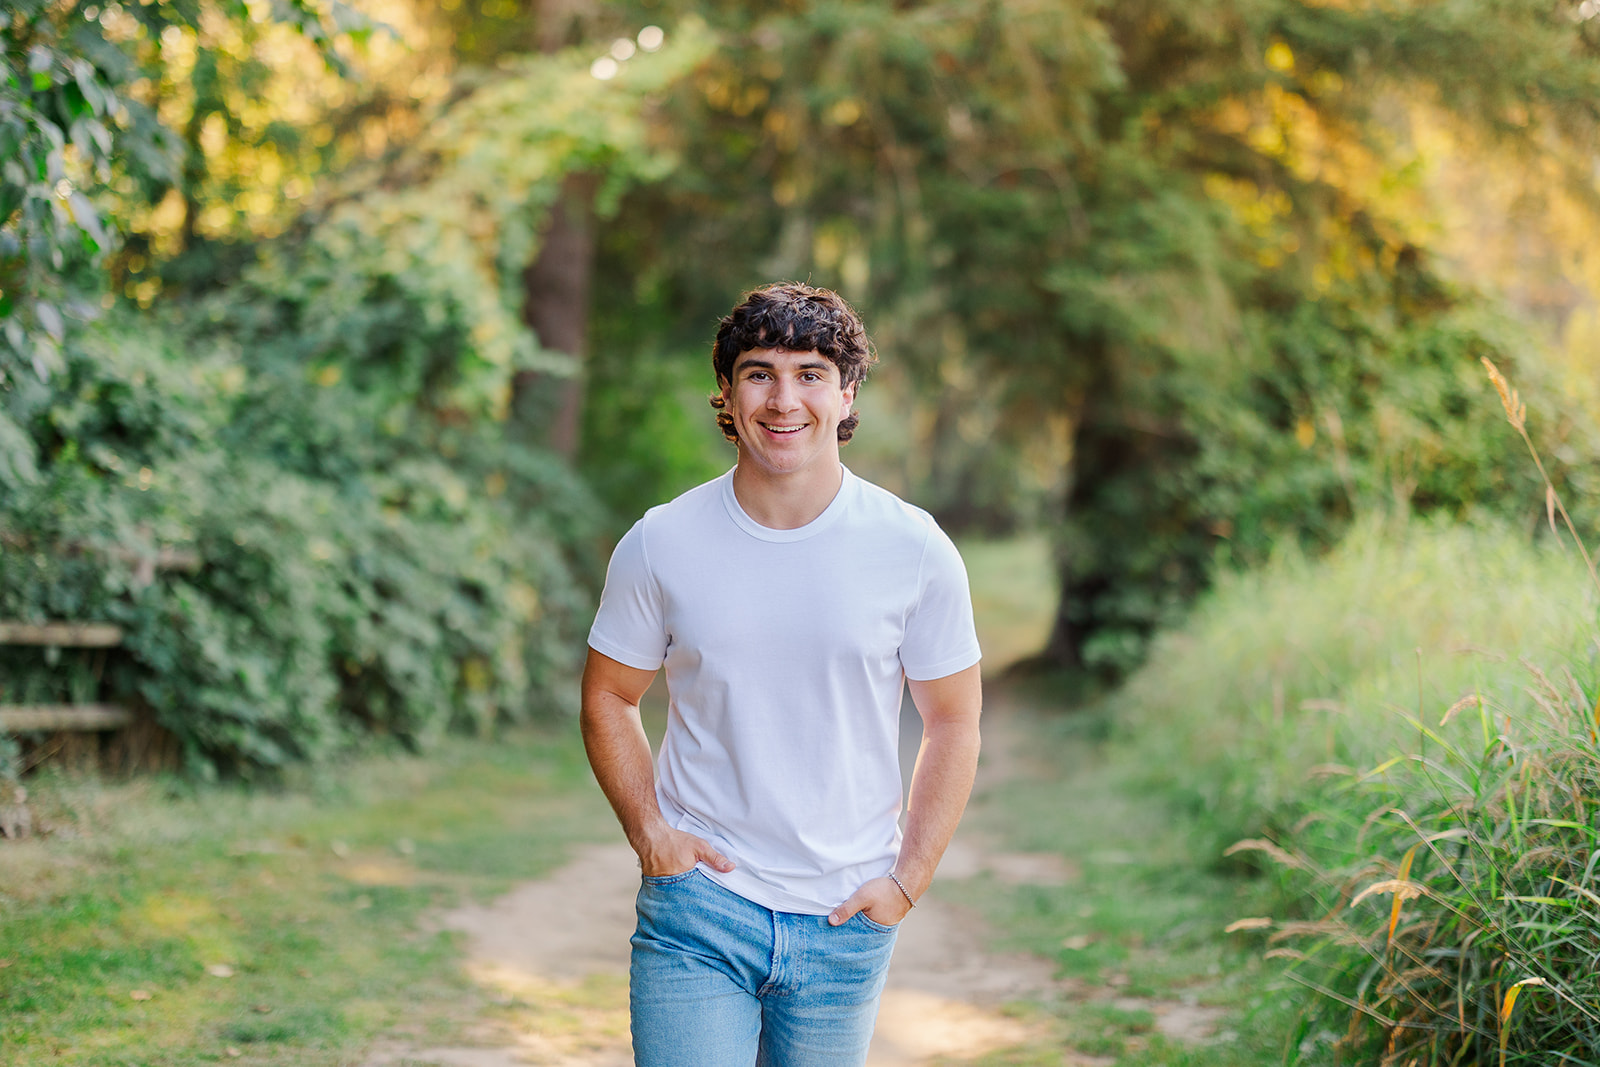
940	637
629	625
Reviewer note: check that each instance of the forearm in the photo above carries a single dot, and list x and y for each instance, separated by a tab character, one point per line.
619	753
941	783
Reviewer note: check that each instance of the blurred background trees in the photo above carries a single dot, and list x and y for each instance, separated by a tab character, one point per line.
393	313
1165	278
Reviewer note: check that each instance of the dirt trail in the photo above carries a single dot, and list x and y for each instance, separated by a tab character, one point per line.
553	954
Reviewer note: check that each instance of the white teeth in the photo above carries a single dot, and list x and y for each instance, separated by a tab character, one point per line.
784	429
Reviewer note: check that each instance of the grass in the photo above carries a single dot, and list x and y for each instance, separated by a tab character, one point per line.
1139	929
1275	714
1470	884
1309	667
164	924
1013	597
1402	734
314	896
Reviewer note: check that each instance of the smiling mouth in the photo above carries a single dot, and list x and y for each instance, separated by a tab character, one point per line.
782	429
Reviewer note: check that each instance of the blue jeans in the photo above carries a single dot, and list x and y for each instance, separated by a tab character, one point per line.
719	981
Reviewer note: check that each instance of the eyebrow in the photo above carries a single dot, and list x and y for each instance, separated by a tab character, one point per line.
820	364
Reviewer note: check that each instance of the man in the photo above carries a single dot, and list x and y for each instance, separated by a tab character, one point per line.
787	600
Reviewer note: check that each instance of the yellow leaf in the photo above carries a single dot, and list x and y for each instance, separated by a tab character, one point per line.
1305	433
1505	1012
1400	898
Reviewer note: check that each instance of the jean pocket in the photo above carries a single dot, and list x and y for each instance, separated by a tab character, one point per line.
873	925
659	880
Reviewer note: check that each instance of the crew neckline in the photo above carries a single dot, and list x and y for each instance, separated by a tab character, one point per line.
836	507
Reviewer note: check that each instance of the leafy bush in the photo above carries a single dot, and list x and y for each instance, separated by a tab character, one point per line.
365	566
325	428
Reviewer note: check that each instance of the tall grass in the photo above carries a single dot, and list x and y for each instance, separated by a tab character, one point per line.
1406	737
1306	669
1455	907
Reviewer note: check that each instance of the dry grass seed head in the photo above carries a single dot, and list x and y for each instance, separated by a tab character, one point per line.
1516	410
1404	889
1534	856
1339	932
1306	822
1465	702
1277	852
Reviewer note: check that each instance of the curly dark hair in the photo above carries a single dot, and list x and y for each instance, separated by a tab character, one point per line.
800	318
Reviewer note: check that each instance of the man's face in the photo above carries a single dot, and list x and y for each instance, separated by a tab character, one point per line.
786	407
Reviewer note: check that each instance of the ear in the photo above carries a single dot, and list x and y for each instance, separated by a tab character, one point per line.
726	388
849	399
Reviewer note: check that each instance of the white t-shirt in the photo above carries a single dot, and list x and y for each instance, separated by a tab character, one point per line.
785	653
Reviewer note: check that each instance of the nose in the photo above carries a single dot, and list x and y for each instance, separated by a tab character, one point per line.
783	396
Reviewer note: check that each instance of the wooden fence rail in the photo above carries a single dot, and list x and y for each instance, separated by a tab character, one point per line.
20	718
89	717
61	634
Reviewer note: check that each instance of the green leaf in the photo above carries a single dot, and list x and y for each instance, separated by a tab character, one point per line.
77	105
88	219
10	200
93	92
50	319
18	455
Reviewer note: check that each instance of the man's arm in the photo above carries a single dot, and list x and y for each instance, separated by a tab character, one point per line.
940	785
619	752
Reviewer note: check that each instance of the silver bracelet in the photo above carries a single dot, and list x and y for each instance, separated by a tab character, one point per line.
893	878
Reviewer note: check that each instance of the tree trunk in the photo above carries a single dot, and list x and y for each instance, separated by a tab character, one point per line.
548	408
1129	513
556	287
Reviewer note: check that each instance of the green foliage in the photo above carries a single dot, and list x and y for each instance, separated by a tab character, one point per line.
1177	251
648	432
362	568
1327	415
451	224
325	432
70	127
1333	715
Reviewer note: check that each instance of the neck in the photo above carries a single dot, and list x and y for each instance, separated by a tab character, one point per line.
786	501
